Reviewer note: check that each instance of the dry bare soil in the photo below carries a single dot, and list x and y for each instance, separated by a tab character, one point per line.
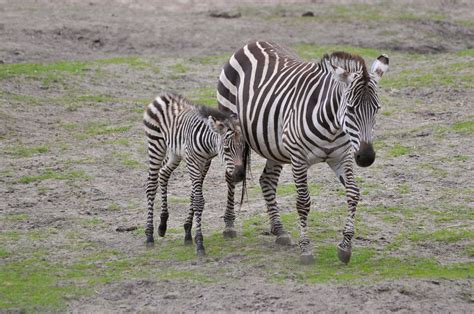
74	79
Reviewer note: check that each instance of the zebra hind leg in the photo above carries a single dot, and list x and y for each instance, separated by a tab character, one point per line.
303	202
344	171
188	238
165	173
229	216
156	153
268	183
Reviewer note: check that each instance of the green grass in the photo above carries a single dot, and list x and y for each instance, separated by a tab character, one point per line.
398	150
127	160
179	68
465	127
403	188
203	96
217	60
35	69
15	217
93	129
443	73
26	151
311	52
49	174
446	235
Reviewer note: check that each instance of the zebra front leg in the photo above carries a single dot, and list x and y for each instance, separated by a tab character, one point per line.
344	171
268	183
303	202
229	215
195	172
188	238
165	173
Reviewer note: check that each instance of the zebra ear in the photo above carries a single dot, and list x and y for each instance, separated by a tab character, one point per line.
379	67
216	125
342	75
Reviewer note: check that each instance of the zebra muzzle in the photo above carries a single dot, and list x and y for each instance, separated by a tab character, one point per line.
239	174
365	156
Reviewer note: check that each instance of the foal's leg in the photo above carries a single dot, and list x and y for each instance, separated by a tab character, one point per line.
195	168
156	154
268	183
165	172
344	171
229	215
188	238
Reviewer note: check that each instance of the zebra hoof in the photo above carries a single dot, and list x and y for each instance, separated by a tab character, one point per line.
344	254
283	239
201	252
161	230
150	242
229	233
307	259
188	240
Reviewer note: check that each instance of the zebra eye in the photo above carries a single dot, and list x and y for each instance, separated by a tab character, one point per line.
350	109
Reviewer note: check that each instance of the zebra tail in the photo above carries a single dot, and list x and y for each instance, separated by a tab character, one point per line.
246	163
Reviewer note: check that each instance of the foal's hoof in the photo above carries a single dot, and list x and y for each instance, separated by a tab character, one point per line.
161	230
150	242
229	233
307	259
283	239
344	254
201	252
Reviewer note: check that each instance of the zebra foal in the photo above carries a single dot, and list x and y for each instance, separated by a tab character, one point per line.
302	113
177	129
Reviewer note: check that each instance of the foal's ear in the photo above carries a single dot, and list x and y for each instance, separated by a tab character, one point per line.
216	125
342	75
379	67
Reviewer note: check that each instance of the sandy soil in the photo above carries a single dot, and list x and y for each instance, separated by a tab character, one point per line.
166	31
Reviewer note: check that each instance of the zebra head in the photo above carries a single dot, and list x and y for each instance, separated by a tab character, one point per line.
231	145
359	104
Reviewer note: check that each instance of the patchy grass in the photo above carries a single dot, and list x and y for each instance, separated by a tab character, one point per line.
446	235
126	159
15	217
179	68
93	129
443	73
203	96
26	151
311	52
55	175
465	127
35	69
398	150
211	60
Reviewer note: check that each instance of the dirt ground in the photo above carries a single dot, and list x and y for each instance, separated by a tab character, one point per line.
73	159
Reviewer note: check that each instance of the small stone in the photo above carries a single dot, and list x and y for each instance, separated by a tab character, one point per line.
171	296
224	14
307	14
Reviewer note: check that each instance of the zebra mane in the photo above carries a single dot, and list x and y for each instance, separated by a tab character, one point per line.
349	62
206	111
203	111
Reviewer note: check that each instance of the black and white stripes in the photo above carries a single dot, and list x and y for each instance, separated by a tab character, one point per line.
302	113
178	129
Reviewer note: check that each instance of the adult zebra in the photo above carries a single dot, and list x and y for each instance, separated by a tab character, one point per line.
303	113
